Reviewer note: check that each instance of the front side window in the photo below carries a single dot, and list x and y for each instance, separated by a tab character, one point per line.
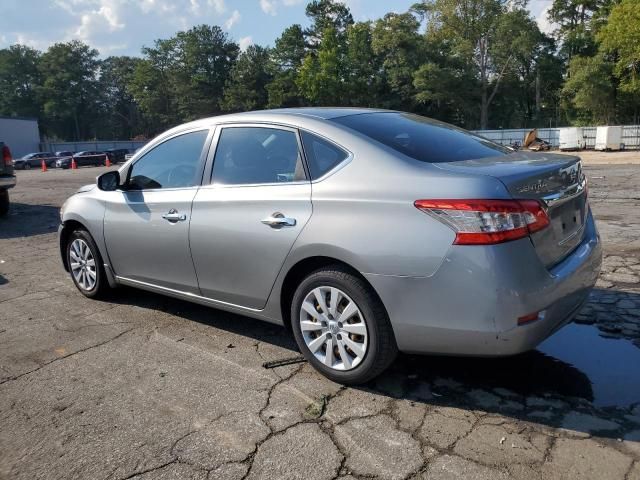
322	155
254	155
172	164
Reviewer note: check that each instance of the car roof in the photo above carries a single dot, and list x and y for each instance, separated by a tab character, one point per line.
325	113
296	116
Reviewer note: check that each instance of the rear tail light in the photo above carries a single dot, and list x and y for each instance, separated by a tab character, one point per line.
6	156
485	222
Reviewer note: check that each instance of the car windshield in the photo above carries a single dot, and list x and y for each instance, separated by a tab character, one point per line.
422	138
29	155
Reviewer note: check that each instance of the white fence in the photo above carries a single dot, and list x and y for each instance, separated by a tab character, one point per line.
630	135
97	145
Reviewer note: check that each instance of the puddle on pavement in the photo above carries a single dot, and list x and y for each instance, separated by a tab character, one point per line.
611	365
575	362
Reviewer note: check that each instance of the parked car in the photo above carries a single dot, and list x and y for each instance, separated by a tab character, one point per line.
117	155
34	160
7	178
83	159
65	153
363	231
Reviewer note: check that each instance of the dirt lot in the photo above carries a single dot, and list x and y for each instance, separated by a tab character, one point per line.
148	387
592	157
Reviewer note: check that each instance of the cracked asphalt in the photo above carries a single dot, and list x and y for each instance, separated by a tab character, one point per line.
147	387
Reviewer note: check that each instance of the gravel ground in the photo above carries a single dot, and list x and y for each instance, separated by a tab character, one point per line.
148	387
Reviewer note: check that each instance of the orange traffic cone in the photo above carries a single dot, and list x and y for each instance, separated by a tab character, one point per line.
43	165
74	165
107	162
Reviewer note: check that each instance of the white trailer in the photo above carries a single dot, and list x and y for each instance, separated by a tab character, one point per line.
571	138
609	138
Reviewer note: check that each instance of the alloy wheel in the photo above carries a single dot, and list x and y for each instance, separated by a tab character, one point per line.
333	328
83	264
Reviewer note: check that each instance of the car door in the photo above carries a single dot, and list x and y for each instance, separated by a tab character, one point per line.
246	220
146	225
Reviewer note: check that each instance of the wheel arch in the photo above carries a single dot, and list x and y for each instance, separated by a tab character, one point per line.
68	227
303	268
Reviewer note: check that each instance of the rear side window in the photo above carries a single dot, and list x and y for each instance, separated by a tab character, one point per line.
257	155
322	156
422	138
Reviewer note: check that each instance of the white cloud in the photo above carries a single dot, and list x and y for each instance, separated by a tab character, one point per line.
195	7
232	20
218	5
245	42
268	6
291	3
543	21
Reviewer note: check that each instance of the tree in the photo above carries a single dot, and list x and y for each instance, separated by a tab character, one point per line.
325	14
588	92
469	30
121	112
20	78
204	56
399	46
573	19
362	67
620	38
182	78
245	89
320	78
152	86
70	89
286	58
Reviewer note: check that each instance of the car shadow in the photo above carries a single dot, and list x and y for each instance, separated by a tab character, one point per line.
26	220
3	280
539	382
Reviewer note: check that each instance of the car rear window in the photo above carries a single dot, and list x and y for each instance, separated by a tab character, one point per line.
422	138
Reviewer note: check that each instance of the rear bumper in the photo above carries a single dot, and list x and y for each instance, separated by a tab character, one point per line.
470	306
7	181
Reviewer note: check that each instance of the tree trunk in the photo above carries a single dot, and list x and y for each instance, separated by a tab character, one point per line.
75	120
484	109
538	100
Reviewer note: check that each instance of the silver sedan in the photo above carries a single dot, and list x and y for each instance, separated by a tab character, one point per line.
365	232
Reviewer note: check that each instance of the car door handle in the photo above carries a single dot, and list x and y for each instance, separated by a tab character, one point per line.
173	216
278	220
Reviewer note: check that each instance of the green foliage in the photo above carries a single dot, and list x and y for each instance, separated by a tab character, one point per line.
620	38
327	14
321	75
121	117
589	92
399	47
475	63
246	87
70	89
19	80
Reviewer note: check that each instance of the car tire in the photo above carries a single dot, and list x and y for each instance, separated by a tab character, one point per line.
4	202
27	166
77	243
378	340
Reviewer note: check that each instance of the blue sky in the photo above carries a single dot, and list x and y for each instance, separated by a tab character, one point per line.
122	27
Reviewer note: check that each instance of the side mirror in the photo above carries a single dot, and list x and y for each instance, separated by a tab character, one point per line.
109	181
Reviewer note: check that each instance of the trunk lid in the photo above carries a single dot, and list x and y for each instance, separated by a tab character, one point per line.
556	180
